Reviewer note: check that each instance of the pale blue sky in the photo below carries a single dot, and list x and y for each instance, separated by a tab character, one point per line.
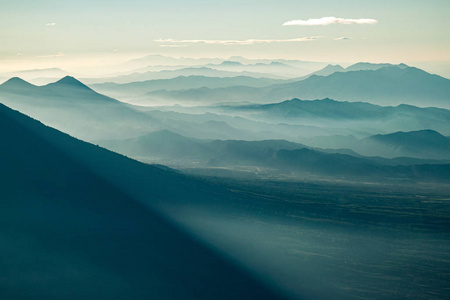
406	30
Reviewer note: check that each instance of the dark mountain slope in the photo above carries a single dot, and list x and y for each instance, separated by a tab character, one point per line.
78	223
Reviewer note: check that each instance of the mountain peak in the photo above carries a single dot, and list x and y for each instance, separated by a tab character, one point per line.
16	83
424	135
69	81
16	80
231	63
366	66
331	66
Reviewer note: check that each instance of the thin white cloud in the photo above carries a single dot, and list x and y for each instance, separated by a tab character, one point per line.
172	46
237	42
59	54
343	38
328	21
50	24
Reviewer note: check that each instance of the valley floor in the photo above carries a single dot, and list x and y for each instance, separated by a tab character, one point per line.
333	240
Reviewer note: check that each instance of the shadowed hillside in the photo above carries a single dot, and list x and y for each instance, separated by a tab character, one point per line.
77	221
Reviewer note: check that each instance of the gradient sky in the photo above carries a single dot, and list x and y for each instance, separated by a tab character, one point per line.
46	32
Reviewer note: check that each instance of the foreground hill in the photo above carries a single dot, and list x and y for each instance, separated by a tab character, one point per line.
80	221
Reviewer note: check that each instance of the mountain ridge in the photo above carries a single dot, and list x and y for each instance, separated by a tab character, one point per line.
86	231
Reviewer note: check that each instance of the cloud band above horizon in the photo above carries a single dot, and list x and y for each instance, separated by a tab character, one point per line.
328	21
237	42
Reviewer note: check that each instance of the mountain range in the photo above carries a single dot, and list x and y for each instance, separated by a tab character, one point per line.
100	117
341	199
71	106
136	89
36	76
425	144
185	71
341	114
285	156
361	66
390	85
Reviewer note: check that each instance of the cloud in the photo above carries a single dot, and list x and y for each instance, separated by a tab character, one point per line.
329	21
343	38
59	54
50	24
172	46
237	42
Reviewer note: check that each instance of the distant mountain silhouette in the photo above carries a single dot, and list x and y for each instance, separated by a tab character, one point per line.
285	156
71	106
231	63
179	83
168	74
79	222
273	67
90	116
36	76
365	66
328	111
68	81
16	85
361	66
329	69
423	144
281	155
390	85
67	86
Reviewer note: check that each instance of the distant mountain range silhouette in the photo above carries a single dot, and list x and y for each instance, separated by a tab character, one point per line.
383	85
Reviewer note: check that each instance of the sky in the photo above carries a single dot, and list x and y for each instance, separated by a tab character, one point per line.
44	33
